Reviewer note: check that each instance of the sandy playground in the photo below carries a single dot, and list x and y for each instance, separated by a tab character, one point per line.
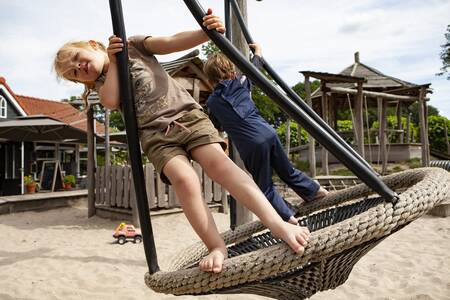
60	254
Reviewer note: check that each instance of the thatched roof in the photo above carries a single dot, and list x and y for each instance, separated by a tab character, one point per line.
374	80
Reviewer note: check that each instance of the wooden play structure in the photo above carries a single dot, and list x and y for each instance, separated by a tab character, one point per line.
361	87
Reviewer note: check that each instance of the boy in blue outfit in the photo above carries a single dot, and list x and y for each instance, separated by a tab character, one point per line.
256	141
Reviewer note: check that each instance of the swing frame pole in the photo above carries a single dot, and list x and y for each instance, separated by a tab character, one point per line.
134	149
232	201
292	109
294	96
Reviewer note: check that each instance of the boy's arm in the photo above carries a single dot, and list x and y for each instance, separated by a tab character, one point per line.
257	56
184	40
256	61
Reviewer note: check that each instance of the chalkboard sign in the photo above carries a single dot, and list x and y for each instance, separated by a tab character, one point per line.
51	176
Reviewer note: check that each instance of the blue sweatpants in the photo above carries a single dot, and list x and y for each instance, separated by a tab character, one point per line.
270	156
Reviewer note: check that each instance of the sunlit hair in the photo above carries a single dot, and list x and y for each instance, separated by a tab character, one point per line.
218	67
64	54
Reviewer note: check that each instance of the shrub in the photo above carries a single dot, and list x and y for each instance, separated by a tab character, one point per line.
436	132
281	131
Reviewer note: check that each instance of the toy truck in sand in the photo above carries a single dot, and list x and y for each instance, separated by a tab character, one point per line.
127	232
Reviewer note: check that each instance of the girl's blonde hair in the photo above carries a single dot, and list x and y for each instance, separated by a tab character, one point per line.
64	54
218	67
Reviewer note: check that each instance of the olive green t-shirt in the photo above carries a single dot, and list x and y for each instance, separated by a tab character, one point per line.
158	98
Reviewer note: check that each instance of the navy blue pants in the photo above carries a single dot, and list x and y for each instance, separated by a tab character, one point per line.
270	156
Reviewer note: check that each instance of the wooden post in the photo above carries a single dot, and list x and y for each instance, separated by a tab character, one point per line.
408	129
91	163
107	146
299	134
311	148
324	152
359	121
288	137
427	140
299	139
399	122
243	215
423	128
382	135
77	160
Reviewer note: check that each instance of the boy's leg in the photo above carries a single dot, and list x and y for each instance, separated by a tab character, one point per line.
223	171
301	184
187	187
258	164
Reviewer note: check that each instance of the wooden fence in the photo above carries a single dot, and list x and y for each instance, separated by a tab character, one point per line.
114	188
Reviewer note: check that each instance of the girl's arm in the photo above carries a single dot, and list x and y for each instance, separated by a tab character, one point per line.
109	92
184	40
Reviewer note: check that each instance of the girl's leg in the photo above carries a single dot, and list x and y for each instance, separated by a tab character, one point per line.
223	171
187	187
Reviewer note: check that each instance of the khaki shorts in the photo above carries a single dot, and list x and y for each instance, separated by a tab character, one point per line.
160	148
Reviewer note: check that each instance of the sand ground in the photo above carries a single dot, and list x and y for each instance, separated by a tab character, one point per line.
60	254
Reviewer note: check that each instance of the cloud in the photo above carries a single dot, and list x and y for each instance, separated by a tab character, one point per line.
399	38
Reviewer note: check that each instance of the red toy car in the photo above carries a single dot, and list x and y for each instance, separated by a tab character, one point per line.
125	232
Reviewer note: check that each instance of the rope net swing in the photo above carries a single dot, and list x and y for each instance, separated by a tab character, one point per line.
345	225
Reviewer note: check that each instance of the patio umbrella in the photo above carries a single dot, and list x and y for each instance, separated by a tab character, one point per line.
40	128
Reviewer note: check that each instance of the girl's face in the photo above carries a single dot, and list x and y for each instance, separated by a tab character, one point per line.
85	65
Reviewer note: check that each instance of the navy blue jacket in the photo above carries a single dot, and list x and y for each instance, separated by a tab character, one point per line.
232	106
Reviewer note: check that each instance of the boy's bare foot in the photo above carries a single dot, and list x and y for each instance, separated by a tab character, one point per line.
295	236
321	193
213	261
293	220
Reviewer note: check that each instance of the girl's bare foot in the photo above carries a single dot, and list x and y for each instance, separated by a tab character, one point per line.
295	236
213	261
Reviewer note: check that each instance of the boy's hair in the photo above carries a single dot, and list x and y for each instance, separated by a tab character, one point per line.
218	67
64	54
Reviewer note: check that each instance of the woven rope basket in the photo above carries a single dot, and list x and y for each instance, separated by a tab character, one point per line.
344	226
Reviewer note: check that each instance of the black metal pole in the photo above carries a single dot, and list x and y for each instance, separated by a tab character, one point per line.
292	109
232	201
293	95
227	5
134	149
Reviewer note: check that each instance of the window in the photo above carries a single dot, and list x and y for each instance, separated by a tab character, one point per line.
3	107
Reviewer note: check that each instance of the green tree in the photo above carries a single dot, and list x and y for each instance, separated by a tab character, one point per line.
299	88
445	54
436	132
269	110
210	48
281	131
115	120
414	110
392	124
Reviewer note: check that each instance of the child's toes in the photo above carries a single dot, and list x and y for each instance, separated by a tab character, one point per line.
301	239
205	265
305	234
295	245
217	264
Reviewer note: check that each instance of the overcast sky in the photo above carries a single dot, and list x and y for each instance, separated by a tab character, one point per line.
399	38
